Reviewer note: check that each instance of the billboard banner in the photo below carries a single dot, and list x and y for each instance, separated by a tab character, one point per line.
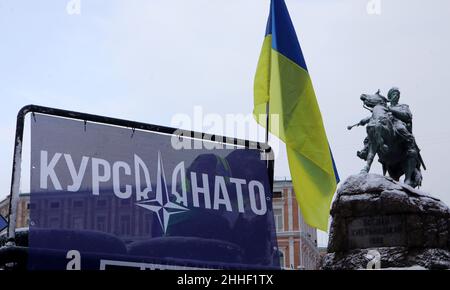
104	196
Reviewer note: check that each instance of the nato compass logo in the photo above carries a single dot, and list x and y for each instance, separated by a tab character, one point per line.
161	205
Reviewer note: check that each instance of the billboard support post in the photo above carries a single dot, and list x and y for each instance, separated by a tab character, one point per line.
16	172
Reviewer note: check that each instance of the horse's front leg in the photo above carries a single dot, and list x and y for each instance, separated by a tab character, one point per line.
370	157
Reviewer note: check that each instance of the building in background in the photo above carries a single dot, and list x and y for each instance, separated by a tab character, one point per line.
297	241
23	213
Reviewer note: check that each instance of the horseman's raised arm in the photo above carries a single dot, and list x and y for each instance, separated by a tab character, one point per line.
360	123
364	121
402	112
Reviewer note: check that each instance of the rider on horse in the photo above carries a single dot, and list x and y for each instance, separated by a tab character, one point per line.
389	130
402	123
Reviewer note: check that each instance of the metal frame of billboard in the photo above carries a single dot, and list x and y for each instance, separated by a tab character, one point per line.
18	142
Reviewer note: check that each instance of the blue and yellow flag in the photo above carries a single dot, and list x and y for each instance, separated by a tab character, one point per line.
283	84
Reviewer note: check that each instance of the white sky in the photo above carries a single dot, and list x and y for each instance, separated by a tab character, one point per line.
149	60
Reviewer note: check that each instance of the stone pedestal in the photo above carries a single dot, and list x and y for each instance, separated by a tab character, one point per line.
406	226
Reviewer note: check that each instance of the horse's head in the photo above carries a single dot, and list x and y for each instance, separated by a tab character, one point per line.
373	100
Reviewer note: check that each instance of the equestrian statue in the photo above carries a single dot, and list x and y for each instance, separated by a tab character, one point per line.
389	135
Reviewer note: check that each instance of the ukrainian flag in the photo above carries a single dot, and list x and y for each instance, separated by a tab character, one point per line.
283	84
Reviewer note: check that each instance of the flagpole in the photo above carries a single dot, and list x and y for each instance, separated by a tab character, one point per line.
267	139
267	123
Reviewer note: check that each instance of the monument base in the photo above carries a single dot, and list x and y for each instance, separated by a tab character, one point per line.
403	226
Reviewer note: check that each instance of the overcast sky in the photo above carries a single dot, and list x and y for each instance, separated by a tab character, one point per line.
148	60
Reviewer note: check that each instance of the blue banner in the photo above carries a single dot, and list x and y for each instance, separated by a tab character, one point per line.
104	197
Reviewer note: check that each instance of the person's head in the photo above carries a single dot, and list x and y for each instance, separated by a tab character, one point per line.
394	96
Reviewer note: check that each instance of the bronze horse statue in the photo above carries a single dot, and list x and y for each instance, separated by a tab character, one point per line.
385	141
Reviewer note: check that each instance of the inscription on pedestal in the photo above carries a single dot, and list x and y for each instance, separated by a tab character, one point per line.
376	231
